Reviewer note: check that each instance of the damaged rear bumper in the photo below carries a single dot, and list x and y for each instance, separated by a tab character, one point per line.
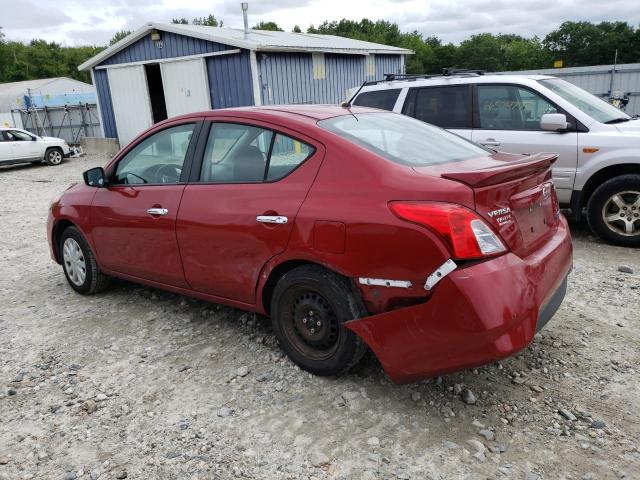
477	314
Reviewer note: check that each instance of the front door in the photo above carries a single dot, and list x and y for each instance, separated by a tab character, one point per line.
508	120
22	145
134	218
186	86
242	208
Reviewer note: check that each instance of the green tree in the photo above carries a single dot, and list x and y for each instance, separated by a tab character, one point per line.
180	21
208	21
271	26
296	29
119	35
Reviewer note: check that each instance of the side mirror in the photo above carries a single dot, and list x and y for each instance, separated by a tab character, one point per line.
94	177
553	122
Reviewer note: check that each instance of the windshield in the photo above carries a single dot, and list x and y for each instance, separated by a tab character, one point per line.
402	139
591	105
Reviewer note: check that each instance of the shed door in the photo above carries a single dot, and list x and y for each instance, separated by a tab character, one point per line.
131	105
186	88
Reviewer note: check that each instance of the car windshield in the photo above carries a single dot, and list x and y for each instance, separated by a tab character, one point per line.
590	104
402	139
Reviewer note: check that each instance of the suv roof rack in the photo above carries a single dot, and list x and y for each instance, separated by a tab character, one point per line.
446	72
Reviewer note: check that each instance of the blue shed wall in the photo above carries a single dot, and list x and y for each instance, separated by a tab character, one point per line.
106	106
174	45
230	82
288	77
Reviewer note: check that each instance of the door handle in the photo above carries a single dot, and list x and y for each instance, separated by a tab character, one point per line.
157	211
489	142
272	219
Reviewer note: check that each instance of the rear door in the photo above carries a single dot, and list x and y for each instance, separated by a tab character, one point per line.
134	217
240	208
507	119
444	106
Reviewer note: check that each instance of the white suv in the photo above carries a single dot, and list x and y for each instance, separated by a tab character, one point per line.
20	146
598	168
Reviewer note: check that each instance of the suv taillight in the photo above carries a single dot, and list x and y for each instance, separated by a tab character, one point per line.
466	234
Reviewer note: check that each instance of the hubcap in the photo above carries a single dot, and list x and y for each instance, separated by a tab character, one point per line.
74	263
621	213
55	157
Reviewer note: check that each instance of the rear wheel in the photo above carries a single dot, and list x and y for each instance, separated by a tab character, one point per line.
613	210
309	306
53	156
79	263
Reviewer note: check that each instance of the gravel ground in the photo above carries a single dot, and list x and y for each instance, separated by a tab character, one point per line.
139	383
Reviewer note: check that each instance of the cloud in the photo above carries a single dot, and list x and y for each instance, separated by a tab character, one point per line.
79	21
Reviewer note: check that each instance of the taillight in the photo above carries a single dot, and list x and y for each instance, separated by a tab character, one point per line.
466	234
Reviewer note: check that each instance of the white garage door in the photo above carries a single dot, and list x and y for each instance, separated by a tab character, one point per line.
131	105
185	85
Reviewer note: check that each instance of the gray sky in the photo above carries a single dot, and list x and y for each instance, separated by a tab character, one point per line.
75	22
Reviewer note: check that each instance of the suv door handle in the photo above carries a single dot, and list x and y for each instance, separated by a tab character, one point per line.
272	219
157	211
489	142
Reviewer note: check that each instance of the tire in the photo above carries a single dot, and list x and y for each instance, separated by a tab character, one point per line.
311	295
75	254
53	156
613	211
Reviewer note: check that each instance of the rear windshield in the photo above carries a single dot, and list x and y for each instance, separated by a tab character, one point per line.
402	139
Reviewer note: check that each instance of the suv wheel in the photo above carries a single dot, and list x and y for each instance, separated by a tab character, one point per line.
613	210
53	156
309	306
79	263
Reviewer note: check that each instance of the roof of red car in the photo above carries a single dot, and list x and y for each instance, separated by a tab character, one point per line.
313	112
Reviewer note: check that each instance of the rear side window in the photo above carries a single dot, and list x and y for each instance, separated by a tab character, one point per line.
382	99
238	153
446	107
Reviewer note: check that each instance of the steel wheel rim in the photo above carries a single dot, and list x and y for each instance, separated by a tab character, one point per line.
621	213
305	308
74	262
55	157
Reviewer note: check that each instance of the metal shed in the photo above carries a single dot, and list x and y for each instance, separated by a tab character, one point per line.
59	107
601	80
163	70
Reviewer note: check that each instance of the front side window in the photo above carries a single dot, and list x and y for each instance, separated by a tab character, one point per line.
508	107
446	107
382	99
158	159
593	106
18	136
238	153
402	139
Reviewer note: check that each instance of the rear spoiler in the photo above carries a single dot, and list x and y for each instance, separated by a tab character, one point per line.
513	170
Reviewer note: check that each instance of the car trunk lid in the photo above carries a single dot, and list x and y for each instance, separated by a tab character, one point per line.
513	193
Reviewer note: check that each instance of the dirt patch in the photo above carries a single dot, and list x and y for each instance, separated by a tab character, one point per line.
139	383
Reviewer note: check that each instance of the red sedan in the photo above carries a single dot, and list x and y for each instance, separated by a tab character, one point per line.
348	227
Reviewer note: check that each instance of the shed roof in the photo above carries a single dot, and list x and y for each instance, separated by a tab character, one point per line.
258	40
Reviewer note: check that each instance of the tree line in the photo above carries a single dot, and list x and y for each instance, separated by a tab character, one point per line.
574	43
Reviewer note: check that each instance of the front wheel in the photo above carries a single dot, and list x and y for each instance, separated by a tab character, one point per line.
53	156
79	263
309	306
613	210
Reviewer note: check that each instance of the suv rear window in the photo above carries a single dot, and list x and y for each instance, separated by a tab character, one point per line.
402	139
446	107
382	99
